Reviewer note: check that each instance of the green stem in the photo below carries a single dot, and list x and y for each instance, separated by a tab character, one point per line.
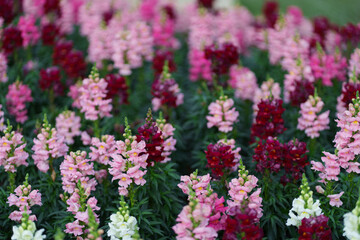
312	147
52	100
52	170
12	176
97	128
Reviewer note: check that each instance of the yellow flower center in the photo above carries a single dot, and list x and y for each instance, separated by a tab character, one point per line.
242	191
102	147
70	168
5	144
135	154
123	179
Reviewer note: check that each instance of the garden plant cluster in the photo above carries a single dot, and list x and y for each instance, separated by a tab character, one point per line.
148	119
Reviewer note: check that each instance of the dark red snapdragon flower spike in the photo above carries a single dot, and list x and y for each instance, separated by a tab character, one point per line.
269	121
151	134
271	13
349	92
162	90
6	10
351	33
268	155
50	78
220	159
205	3
107	16
294	160
303	89
161	57
49	32
117	87
52	6
243	224
321	26
74	64
315	228
170	11
61	50
222	57
11	39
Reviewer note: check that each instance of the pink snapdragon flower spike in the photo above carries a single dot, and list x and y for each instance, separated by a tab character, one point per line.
163	31
12	154
101	151
17	97
68	126
199	191
3	67
193	222
200	67
24	198
48	145
77	181
131	45
243	193
169	143
76	167
311	121
327	67
2	125
243	80
92	99
222	114
335	199
299	74
74	93
354	65
29	31
128	164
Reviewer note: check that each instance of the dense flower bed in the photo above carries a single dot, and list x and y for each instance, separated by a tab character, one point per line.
152	120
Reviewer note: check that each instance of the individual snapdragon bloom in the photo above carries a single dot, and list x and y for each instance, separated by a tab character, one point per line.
303	206
68	126
12	154
24	199
19	94
244	195
128	164
352	222
311	120
222	114
169	143
92	98
122	225
243	80
48	145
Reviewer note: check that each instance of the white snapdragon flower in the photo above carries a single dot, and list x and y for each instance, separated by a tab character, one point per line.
352	223
303	206
27	233
122	225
